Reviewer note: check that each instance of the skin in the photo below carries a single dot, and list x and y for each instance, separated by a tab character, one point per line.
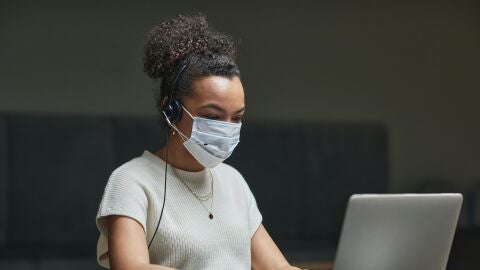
213	97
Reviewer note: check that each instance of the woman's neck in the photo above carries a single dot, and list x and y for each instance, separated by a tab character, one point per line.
178	156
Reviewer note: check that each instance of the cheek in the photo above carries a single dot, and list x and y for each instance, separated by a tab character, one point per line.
185	124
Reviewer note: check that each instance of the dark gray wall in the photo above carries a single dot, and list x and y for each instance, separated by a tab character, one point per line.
413	66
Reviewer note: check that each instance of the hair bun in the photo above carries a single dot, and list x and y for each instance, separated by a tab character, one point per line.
171	41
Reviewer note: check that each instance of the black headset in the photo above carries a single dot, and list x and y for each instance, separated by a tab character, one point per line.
172	112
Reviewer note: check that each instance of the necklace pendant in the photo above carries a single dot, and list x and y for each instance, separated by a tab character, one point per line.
210	216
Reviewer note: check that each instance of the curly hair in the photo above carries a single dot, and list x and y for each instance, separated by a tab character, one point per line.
184	39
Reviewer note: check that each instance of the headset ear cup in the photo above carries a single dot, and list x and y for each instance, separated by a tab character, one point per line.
177	111
173	110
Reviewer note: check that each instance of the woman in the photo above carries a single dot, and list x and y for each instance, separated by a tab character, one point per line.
181	207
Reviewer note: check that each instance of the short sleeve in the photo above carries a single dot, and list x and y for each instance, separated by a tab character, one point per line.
254	215
124	195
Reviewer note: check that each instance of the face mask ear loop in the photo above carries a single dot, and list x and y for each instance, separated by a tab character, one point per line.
184	138
187	111
193	118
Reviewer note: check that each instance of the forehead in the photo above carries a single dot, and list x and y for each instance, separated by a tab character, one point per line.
218	89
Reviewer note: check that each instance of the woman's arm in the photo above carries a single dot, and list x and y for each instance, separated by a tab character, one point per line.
265	253
127	249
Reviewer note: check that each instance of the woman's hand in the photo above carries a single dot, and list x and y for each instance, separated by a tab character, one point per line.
265	253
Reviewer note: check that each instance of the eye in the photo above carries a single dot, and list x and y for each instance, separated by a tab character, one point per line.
210	116
238	118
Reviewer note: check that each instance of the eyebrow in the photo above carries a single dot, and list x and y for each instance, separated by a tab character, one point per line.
218	108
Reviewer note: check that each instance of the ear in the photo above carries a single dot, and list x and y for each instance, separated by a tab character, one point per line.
164	101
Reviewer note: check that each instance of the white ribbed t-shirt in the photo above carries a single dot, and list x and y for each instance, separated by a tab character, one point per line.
186	238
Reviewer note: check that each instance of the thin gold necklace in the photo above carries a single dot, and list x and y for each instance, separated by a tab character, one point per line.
203	198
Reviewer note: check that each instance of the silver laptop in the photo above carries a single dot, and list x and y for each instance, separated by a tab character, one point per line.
398	231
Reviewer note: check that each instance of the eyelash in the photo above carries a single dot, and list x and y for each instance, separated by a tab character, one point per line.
211	116
237	118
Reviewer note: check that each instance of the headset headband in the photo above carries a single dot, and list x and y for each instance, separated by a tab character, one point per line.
173	109
177	80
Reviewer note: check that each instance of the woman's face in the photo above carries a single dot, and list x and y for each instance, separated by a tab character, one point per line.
213	97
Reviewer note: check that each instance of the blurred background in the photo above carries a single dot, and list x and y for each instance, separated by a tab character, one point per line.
342	98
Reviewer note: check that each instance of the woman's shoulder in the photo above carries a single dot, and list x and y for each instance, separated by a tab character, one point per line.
236	183
228	172
140	167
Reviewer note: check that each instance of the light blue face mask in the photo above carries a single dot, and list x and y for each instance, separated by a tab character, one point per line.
211	141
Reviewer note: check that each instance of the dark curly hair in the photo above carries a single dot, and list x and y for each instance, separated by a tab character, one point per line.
184	39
